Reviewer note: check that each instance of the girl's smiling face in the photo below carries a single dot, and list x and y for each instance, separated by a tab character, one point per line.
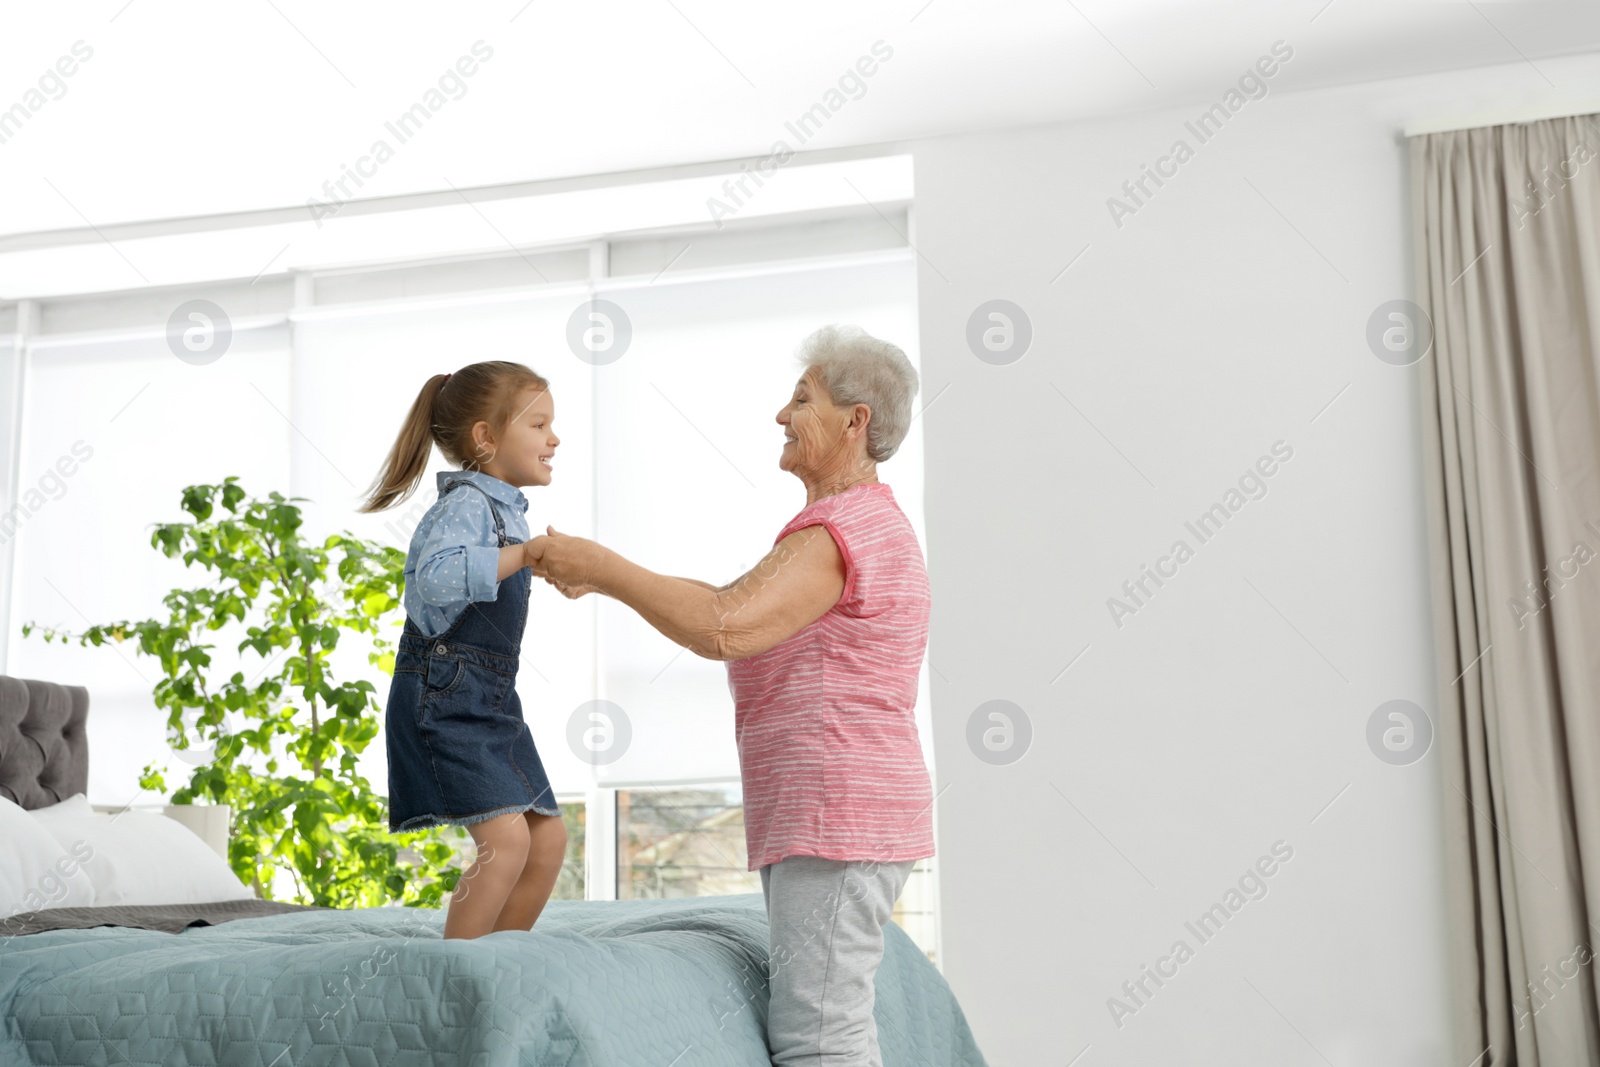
523	455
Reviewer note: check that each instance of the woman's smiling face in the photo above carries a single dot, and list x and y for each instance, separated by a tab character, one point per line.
813	430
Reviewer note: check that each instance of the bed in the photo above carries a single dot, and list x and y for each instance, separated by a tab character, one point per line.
660	983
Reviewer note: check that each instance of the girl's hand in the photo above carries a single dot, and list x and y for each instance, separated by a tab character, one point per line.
530	552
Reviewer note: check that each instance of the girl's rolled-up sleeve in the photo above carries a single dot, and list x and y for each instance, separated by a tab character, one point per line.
454	565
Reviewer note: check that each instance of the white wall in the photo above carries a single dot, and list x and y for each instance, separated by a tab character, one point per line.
1230	711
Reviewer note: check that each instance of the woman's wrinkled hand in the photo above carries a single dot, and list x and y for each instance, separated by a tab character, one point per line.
566	562
571	592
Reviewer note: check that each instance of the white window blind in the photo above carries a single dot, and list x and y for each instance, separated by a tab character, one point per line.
669	456
148	424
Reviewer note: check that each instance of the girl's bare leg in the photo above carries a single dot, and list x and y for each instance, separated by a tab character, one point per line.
547	849
482	891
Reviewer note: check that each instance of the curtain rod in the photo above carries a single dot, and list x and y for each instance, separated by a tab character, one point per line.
1502	118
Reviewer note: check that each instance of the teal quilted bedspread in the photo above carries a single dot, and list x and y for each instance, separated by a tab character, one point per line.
663	983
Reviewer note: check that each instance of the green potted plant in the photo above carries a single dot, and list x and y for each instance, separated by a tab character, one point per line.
280	748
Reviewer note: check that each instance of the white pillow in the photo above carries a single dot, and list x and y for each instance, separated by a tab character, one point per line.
36	872
143	858
76	804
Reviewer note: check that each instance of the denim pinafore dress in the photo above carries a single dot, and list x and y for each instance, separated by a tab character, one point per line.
459	750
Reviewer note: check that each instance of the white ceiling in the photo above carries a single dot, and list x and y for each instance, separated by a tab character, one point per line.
190	108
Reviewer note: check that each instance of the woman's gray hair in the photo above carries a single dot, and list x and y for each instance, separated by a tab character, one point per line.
858	368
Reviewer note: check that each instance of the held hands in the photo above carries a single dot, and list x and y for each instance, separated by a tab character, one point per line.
569	563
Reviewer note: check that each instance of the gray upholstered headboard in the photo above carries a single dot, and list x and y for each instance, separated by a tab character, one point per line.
44	748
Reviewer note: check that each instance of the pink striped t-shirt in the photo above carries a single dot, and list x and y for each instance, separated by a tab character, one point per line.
825	720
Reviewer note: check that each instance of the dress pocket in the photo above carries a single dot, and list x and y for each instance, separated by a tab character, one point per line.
442	675
474	696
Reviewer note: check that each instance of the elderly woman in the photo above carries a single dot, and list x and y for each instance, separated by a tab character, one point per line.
824	639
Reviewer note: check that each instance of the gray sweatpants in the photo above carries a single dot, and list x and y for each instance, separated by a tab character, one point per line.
825	941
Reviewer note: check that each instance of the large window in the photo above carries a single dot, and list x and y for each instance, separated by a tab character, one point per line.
669	456
682	841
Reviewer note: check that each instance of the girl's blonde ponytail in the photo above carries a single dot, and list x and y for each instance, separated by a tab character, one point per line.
408	458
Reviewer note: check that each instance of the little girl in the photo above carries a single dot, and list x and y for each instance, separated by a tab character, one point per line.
459	750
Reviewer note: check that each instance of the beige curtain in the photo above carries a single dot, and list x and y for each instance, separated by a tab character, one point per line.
1507	244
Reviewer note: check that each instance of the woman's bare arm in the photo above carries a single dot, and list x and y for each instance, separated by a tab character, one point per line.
796	583
703	585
